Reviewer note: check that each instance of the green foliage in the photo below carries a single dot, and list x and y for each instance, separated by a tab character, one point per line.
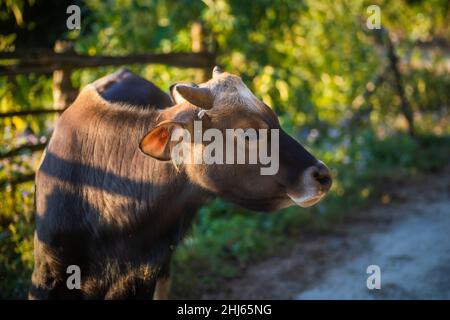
16	241
308	60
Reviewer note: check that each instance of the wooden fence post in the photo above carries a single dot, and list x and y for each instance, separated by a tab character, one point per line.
199	46
405	107
382	37
63	91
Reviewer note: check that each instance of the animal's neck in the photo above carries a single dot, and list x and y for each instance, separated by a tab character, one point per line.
155	189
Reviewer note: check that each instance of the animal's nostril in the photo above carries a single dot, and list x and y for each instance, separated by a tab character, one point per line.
325	180
322	175
316	174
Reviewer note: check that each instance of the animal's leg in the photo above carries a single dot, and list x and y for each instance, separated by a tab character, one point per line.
162	290
48	279
130	287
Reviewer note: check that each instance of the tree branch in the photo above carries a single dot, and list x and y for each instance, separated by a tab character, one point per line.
29	112
22	179
17	151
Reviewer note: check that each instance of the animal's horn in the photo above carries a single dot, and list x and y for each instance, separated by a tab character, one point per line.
216	71
176	97
200	97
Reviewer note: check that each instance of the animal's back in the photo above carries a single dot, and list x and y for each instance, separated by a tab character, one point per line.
126	87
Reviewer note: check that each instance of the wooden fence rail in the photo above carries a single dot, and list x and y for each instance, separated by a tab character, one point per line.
18	180
34	112
19	150
45	61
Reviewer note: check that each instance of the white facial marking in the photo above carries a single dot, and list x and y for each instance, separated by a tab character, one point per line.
309	186
301	199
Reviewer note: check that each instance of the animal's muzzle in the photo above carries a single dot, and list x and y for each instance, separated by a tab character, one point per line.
315	182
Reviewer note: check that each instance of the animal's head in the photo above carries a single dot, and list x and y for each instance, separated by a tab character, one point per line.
260	167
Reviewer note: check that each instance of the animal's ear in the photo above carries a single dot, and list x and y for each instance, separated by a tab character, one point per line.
156	143
200	97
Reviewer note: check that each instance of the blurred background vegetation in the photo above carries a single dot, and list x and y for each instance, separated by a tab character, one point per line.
313	61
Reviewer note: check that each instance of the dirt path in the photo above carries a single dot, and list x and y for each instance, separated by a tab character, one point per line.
409	239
